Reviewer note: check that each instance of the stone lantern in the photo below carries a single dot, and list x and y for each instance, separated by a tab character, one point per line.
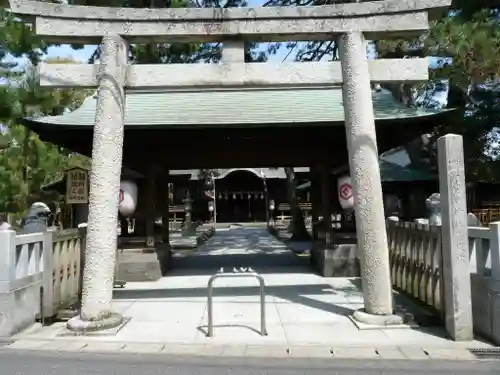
433	204
188	208
272	207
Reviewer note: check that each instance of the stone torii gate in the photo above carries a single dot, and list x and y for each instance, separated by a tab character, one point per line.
349	24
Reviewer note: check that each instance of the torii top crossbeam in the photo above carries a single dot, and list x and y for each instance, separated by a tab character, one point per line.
70	23
84	24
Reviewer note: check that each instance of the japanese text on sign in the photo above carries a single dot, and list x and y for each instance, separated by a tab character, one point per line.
77	187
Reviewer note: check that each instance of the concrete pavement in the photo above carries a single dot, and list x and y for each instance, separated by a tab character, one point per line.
38	363
414	352
307	315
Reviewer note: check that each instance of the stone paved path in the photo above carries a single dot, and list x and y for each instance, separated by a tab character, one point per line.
303	310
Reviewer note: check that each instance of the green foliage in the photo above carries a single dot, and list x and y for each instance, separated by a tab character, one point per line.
27	163
466	43
176	53
473	45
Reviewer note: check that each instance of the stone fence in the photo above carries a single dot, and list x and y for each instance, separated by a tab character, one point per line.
416	260
485	280
39	274
63	267
415	254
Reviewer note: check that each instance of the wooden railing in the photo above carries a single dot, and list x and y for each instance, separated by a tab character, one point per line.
487	215
415	254
283	208
176	211
62	265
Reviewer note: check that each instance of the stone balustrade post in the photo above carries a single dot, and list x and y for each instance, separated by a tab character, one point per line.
455	239
495	249
82	229
233	51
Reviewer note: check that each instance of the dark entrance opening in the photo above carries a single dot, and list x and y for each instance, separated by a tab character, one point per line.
240	197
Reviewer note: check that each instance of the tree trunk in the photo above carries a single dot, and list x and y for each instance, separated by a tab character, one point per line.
299	230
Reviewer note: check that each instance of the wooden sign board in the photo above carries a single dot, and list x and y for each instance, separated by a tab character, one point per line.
77	186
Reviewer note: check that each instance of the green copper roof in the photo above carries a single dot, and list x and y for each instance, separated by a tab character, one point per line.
390	172
229	107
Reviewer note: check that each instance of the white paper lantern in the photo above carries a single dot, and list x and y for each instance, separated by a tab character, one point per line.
345	193
128	198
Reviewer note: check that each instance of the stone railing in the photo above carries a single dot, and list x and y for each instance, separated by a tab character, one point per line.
484	244
39	275
416	268
415	253
21	279
62	265
484	248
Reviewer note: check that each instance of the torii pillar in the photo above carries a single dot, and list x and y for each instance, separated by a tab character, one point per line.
107	150
367	186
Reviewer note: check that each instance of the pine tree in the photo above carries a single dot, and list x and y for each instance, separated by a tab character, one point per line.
27	163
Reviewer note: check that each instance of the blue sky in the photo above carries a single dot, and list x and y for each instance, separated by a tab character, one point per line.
66	51
84	54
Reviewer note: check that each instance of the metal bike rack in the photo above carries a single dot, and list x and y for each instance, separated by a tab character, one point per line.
242	272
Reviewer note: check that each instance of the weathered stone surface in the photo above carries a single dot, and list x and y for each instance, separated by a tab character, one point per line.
481	305
494	250
456	354
366	353
107	149
266	351
390	353
78	325
203	14
21	277
143	348
89	31
413	352
233	51
339	260
455	240
19	308
309	351
495	317
233	74
138	266
378	320
29	344
198	25
486	306
365	173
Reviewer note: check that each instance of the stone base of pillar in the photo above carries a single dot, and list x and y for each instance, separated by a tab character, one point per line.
366	321
150	245
337	260
79	326
164	255
138	265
